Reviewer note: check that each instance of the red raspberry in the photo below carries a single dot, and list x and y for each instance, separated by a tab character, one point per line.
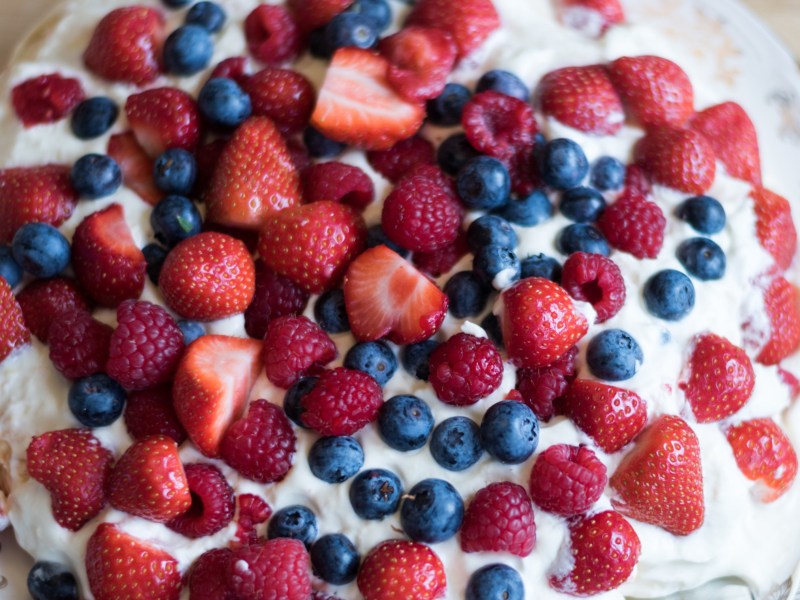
443	260
634	225
338	182
278	569
293	346
275	296
253	510
43	300
207	578
272	35
212	502
465	369
146	346
299	154
499	519
79	344
150	412
522	171
567	480
311	14
261	444
499	125
595	279
637	181
284	96
46	99
398	160
542	388
342	402
234	67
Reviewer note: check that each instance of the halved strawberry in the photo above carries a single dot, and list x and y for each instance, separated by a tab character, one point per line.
469	22
164	118
46	98
678	158
386	296
357	106
592	17
13	331
212	384
311	14
783	311
774	226
136	166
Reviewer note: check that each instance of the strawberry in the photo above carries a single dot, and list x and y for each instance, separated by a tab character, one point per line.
164	118
582	98
74	467
126	45
136	166
212	384
46	99
401	569
634	224
272	35
765	455
540	322
148	481
678	158
733	137
13	331
660	481
312	244
277	569
774	226
34	195
208	276
122	567
720	378
592	17
254	178
283	95
107	262
42	300
386	296
783	311
469	22
357	106
311	14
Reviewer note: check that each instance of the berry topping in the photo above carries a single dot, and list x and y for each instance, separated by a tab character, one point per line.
375	494
495	581
469	22
402	569
441	261
466	294
702	258
504	82
499	125
542	388
634	225
342	402
275	296
596	279
669	295
582	204
567	480
562	164
79	344
136	166
681	159
43	300
783	311
311	14
499	519
45	99
465	369
405	422
614	355
187	50
284	96
591	17
335	459
608	174
212	502
164	118
335	559
432	511
393	163
376	359
295	522
48	580
293	346
150	412
93	117
272	35
175	172
774	226
703	213
278	569
207	577
40	249
330	312
96	401
253	511
510	432
338	182
483	183
222	102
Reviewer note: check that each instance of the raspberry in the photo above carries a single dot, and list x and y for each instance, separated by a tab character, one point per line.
146	346
443	260
567	480
298	152
275	296
46	99
398	160
522	171
294	346
207	579
212	502
342	402
499	519
253	511
543	387
284	96
420	59
272	35
150	412
596	279
634	225
499	125
636	180
44	299
338	182
261	444
79	344
311	14
465	369
277	569
234	67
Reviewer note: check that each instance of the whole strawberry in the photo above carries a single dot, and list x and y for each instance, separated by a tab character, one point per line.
681	159
341	402
13	332
783	312
774	226
401	569
499	519
567	480
294	345
277	569
634	225
469	22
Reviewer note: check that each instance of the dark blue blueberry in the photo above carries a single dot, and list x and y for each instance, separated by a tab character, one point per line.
176	3
96	400
496	267
432	511
9	268
704	213
175	171
580	237
335	459
191	330
223	103
614	355
375	494
541	265
40	249
608	174
503	82
490	229
318	43
483	183
454	153
405	422
415	358
376	236
96	176
562	164
669	295
335	559
582	204
188	50
455	443
495	582
208	15
154	256
319	146
378	11
702	259
349	29
294	395
375	359
330	312
51	581
529	211
93	117
445	110
467	294
174	219
296	522
491	325
510	432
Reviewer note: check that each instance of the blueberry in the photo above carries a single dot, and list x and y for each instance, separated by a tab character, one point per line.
432	511
541	265
607	174
191	330
405	422
415	358
175	171
375	494
702	259
350	29
96	400
40	249
318	43
9	268
704	213
532	210
582	204
295	522
491	325
378	11
510	432
454	153
490	229
669	295
208	15
223	103
503	82
154	256
467	294
330	312
377	237
174	219
177	3
562	164
93	117
580	237
187	50
319	146
51	581
335	559
455	443
496	267
375	359
96	176
483	183
335	459
445	110
495	582
294	395
614	355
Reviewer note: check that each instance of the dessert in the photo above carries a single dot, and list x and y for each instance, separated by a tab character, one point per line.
573	325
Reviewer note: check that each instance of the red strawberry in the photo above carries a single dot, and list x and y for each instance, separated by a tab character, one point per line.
212	504
212	384
207	577
46	99
164	118
278	569
733	137
42	300
13	332
126	45
150	412
469	22
720	378
765	455
341	402
293	346
272	35
122	567
357	106
386	296
634	225
499	519
499	125
34	195
681	159
284	96
107	262
791	382
74	467
540	322
592	17
401	569
597	279
611	416
774	226
465	369
543	388
208	276
660	481
338	182
567	480
311	14
136	166
401	158
312	244
582	98
783	310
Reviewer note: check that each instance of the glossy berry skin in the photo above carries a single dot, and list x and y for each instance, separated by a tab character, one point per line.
415	358
455	443
495	582
702	258
540	265
295	522
445	110
582	204
531	210
496	267
151	412
483	183
614	355
499	519
40	249
340	182
93	117
188	50
330	312
335	459
405	423
596	279
45	99
96	176
43	300
223	103
455	152
335	559
208	573
208	15
154	256
378	10
9	268
510	432
191	330
96	400
567	480
432	511
467	294
402	569
669	295
465	369
562	164
704	213
292	400
350	30
607	174
212	506
504	82
51	581
174	219
678	158
376	359
342	402
375	494
580	237
175	171
490	229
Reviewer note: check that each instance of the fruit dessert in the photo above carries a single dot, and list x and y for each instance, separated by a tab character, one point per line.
356	299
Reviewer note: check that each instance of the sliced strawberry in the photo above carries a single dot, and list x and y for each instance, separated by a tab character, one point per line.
783	311
469	22
592	17
386	296
774	226
402	569
136	166
681	159
164	118
13	331
46	99
311	14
